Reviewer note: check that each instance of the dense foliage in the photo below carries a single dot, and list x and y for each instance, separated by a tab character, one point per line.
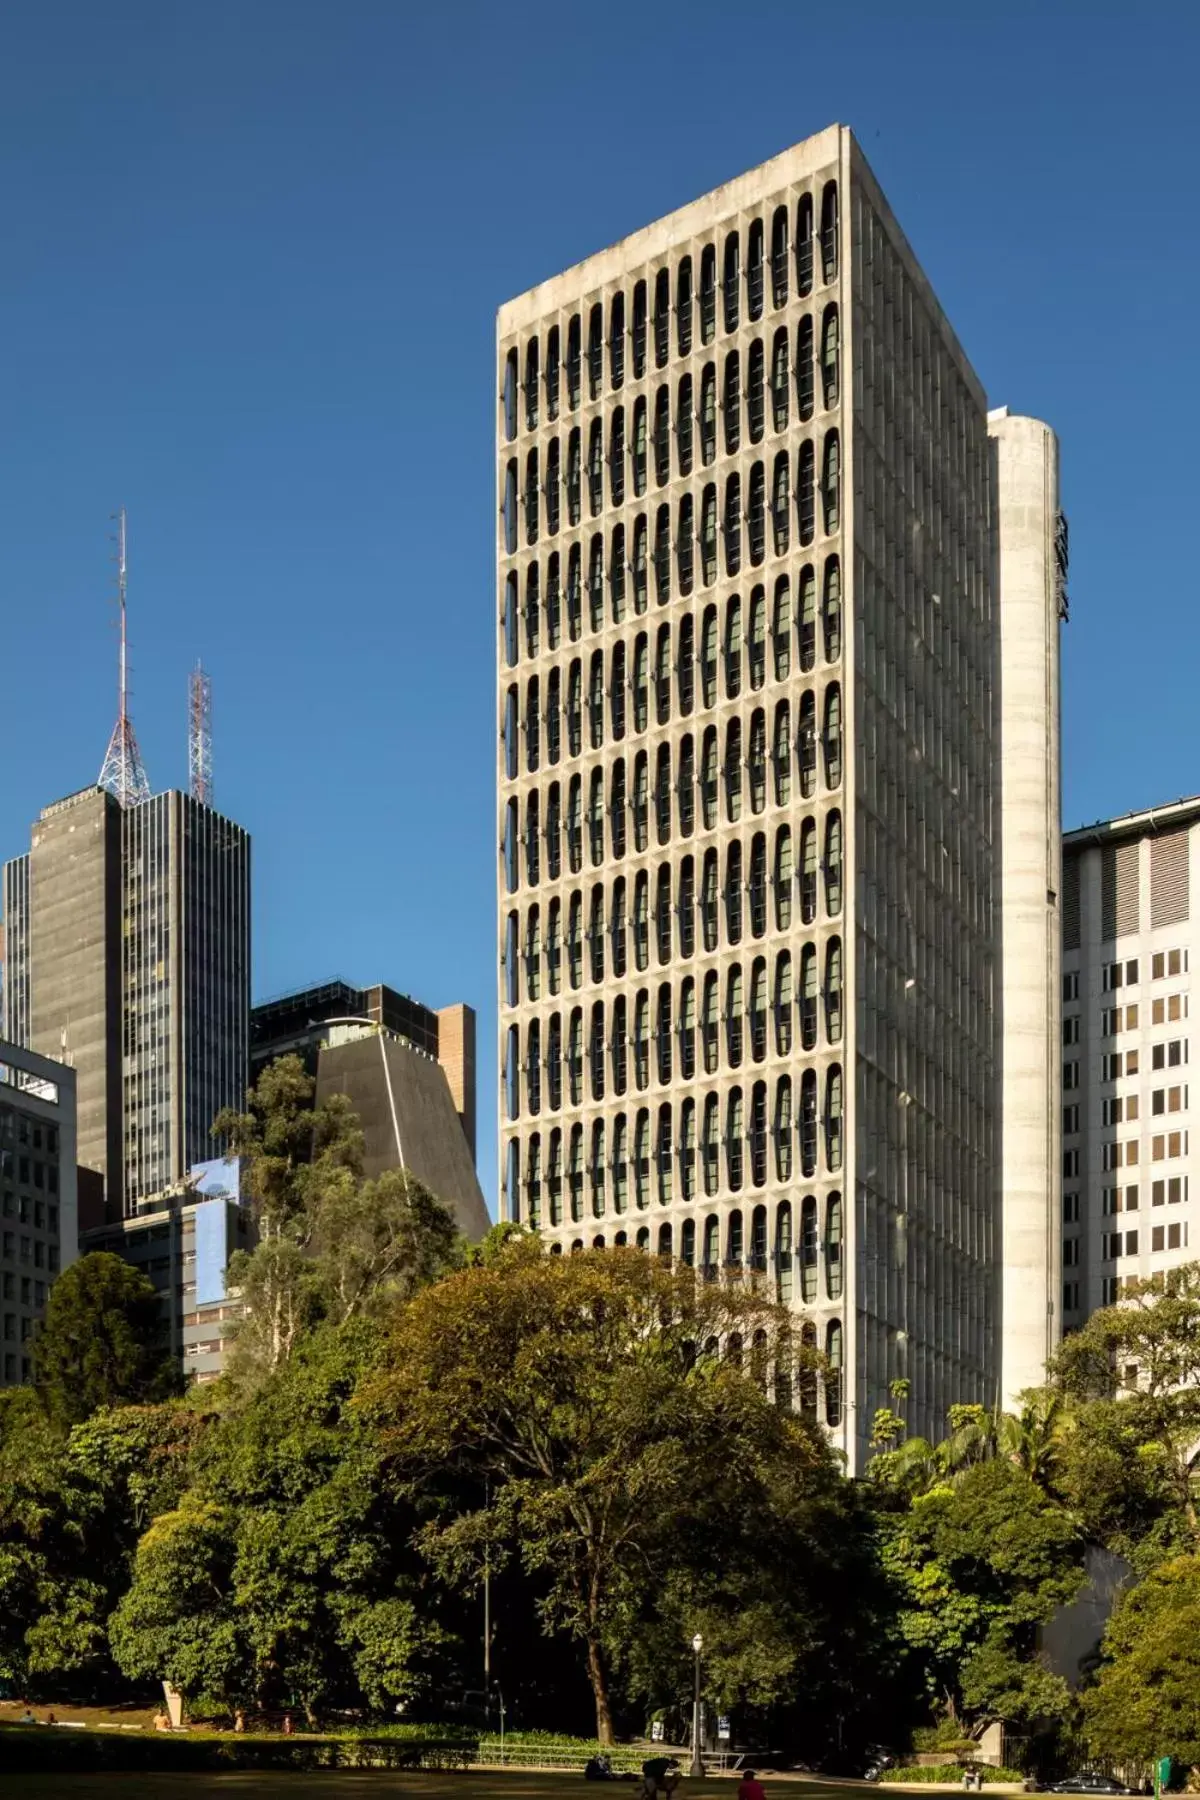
609	1448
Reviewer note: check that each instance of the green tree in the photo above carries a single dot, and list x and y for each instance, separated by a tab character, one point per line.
284	1573
332	1245
1146	1699
1132	1376
980	1562
101	1342
583	1401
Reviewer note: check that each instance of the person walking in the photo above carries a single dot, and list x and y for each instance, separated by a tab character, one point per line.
660	1775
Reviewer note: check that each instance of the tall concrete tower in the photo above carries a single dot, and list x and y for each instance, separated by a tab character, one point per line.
748	732
1031	575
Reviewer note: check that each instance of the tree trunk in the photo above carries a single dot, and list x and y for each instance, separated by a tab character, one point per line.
599	1680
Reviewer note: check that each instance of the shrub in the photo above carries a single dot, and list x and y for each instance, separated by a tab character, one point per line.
950	1772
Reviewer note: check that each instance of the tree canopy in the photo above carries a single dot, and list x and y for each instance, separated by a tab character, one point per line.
102	1341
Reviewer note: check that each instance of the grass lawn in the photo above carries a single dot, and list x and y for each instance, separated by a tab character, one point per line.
355	1785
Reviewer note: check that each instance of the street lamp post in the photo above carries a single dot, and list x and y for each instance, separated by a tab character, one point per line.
697	1761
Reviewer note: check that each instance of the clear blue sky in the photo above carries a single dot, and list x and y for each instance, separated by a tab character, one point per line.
250	260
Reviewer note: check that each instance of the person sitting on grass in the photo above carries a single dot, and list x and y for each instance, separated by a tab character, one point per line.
750	1787
660	1775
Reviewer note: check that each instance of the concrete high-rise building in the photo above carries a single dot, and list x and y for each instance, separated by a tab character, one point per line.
127	930
1129	931
38	1226
750	723
1031	567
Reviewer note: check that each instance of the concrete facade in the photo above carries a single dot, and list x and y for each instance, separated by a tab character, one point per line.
1031	575
38	1207
408	1115
1130	931
747	738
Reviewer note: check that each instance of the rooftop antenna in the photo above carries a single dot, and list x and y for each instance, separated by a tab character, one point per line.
122	773
200	773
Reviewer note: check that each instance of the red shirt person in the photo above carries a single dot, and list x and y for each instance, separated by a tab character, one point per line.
750	1787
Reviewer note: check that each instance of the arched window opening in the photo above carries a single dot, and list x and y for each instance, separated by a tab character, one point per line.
616	457
733	771
662	435
616	576
664	1159
574	708
662	1029
533	1068
806	1379
687	1029
708	413
638	565
512	970
684	421
808	618
685	544
733	648
830	370
510	620
616	693
533	954
662	317
575	1176
731	404
734	1019
832	610
708	901
731	282
687	787
808	1122
757	640
833	1370
554	484
756	524
779	257
806	496
512	1074
833	864
783	1128
596	700
831	482
784	878
510	733
708	536
551	376
596	352
686	666
758	1135
662	914
755	397
641	682
758	761
708	293
512	1181
554	1072
805	385
829	231
734	1240
708	657
638	331
554	946
617	926
595	467
596	932
809	985
711	1148
574	476
833	991
712	1247
554	1177
735	1141
596	1049
808	872
509	509
641	1160
804	245
710	1024
758	885
620	1165
806	744
533	611
618	1047
641	802
754	270
574	595
532	841
553	604
508	395
783	1003
833	1247
616	340
733	894
779	380
574	361
758	1009
781	754
687	1240
662	554
781	629
809	1250
833	1120
758	1240
783	1253
831	736
781	503
575	1057
641	921
637	447
683	307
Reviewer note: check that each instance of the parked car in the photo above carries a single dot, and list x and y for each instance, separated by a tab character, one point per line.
1087	1782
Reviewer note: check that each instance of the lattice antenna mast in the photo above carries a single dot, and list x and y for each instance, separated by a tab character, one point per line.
122	772
200	772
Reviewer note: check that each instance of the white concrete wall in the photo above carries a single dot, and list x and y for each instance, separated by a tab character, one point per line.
1025	470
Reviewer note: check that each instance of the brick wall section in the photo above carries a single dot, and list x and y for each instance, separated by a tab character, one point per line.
456	1053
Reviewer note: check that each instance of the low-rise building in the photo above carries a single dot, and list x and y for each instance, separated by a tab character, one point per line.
38	1223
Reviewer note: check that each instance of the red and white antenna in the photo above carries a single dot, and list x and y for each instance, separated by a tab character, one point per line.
122	773
200	771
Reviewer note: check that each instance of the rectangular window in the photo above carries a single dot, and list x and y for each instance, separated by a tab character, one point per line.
1158	1238
1177	962
1157	966
1070	1209
1175	1237
1111	1201
1070	1120
1110	1066
1070	1296
1110	1289
1070	1030
1070	1075
1131	973
1070	1163
1131	1243
1131	1199
1071	1253
1070	987
1112	976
